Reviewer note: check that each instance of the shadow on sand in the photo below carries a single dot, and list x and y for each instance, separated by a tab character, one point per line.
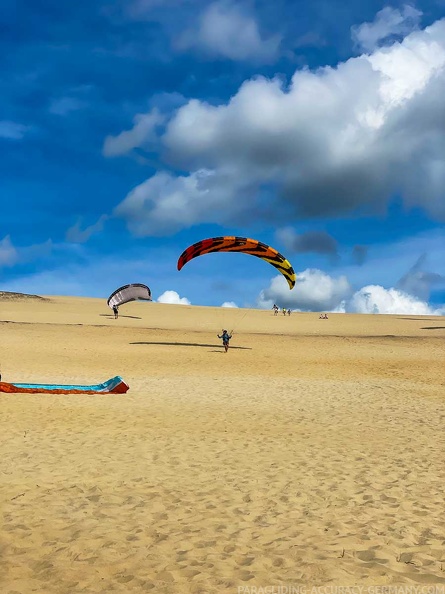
420	319
433	328
110	316
192	344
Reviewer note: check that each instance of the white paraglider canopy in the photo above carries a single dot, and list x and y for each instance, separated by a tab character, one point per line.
134	292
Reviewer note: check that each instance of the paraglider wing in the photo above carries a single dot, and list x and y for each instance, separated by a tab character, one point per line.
243	245
128	293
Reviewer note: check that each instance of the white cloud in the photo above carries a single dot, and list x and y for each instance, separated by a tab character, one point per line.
374	122
143	132
376	299
8	253
76	235
12	130
225	30
172	297
388	23
164	203
317	291
229	304
314	291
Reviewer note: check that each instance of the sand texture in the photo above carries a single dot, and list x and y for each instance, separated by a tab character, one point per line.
312	453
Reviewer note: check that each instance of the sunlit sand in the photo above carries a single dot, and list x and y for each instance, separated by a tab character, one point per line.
311	453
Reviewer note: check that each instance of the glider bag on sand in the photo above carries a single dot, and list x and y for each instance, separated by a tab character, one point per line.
115	385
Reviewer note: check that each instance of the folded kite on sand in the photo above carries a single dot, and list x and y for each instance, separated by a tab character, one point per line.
115	385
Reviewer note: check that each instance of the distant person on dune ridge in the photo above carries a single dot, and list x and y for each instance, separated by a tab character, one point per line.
225	336
116	312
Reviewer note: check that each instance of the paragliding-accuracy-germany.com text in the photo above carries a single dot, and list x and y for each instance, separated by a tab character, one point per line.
377	589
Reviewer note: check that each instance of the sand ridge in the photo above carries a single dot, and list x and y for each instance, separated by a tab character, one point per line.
311	454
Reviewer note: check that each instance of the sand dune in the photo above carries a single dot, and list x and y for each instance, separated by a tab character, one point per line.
312	453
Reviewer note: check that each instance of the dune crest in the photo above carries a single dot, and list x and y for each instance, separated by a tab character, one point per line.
10	296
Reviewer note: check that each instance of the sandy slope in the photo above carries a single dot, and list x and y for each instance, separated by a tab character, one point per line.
312	453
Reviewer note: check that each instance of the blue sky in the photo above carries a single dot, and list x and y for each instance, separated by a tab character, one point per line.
131	129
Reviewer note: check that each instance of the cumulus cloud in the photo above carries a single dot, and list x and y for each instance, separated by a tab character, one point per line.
143	132
330	142
334	139
8	253
315	291
318	291
12	130
172	297
318	242
389	23
225	30
76	234
378	300
164	203
229	304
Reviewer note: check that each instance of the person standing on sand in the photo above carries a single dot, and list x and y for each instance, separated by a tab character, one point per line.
225	336
116	312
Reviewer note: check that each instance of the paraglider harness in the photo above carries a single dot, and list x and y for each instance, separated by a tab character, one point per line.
225	336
